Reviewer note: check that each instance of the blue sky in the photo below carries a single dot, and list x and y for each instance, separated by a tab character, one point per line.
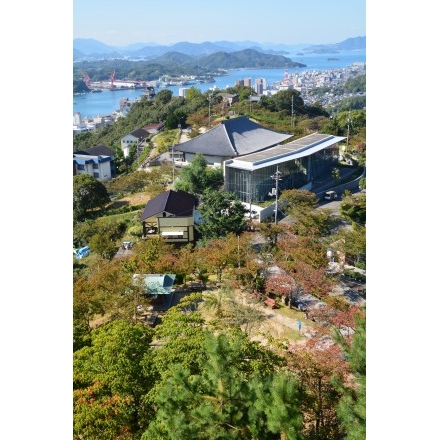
119	23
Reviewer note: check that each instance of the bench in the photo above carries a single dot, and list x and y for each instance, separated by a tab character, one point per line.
270	302
196	287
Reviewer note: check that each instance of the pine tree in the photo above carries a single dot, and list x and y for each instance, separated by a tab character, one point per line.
352	405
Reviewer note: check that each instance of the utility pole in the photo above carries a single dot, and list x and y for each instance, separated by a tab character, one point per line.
172	158
348	126
139	142
292	120
250	99
209	108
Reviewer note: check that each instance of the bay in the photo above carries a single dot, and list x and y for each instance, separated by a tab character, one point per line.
104	103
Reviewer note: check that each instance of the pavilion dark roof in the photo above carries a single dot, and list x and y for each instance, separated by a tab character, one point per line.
232	138
178	203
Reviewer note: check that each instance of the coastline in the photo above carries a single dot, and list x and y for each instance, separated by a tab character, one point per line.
89	104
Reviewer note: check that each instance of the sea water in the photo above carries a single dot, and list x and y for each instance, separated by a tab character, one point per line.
104	103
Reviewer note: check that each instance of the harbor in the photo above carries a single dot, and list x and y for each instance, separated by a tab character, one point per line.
319	72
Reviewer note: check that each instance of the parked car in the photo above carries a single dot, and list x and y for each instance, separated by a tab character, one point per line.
330	195
81	252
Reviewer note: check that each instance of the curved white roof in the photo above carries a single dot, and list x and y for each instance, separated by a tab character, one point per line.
304	146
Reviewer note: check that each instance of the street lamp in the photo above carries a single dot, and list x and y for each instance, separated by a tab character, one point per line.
348	126
276	177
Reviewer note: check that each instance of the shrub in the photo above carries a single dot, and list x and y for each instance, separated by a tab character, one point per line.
355	275
136	230
361	265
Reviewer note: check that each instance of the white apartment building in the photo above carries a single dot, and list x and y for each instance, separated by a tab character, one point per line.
98	167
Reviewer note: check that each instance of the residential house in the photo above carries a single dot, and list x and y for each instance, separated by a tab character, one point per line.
154	128
135	138
100	163
96	166
228	98
171	215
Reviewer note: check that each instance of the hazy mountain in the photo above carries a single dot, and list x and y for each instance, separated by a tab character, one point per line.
170	58
90	49
77	54
357	43
135	46
90	46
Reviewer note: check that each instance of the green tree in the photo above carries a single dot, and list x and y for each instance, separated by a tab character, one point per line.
164	96
354	208
230	310
317	223
86	306
181	335
197	177
297	200
336	174
133	182
284	100
356	84
232	397
352	405
102	245
221	213
84	231
193	93
110	377
88	194
354	243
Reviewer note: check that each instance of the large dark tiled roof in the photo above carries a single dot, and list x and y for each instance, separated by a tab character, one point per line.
139	133
179	203
232	138
99	150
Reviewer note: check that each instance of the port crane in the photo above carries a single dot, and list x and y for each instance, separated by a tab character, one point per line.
112	77
86	79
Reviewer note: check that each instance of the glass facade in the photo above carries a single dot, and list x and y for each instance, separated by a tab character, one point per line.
260	185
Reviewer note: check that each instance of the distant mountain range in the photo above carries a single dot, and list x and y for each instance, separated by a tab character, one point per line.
87	49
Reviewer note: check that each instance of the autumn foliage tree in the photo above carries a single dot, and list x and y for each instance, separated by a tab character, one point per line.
304	259
316	364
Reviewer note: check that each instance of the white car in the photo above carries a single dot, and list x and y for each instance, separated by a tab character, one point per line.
330	195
